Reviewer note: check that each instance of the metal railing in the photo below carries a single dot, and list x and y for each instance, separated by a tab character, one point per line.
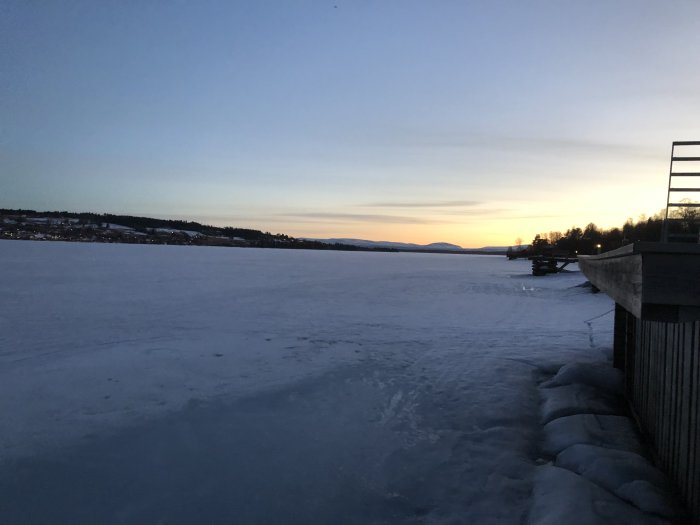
681	220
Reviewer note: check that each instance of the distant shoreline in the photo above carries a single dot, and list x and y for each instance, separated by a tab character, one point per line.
31	225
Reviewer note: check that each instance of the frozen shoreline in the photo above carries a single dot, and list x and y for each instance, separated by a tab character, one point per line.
379	387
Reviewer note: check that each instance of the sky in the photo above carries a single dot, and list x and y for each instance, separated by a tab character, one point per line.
470	122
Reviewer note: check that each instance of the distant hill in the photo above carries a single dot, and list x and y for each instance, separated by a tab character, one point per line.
403	246
388	244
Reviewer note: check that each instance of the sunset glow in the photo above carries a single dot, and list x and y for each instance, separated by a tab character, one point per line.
472	123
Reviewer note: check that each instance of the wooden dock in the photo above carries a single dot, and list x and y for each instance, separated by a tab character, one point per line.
544	264
656	289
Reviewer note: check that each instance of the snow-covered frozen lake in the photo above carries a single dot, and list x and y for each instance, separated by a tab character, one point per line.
167	384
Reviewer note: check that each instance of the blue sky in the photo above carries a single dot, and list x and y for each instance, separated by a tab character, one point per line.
466	122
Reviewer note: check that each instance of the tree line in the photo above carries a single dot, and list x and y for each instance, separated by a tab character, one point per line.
592	239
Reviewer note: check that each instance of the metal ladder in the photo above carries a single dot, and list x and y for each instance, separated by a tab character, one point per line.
682	229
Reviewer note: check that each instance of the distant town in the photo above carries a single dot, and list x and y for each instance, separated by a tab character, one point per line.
108	228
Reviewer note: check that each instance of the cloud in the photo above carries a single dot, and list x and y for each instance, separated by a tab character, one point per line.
362	217
480	212
423	204
538	216
568	145
528	144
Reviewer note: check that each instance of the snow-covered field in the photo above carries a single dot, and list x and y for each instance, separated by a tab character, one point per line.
168	384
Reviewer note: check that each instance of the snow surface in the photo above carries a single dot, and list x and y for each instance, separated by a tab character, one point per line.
113	226
189	233
174	384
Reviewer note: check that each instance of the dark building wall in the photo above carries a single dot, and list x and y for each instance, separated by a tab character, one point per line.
661	361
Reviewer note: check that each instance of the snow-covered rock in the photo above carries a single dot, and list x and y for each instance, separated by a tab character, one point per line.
561	497
578	399
626	474
600	469
616	432
600	375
